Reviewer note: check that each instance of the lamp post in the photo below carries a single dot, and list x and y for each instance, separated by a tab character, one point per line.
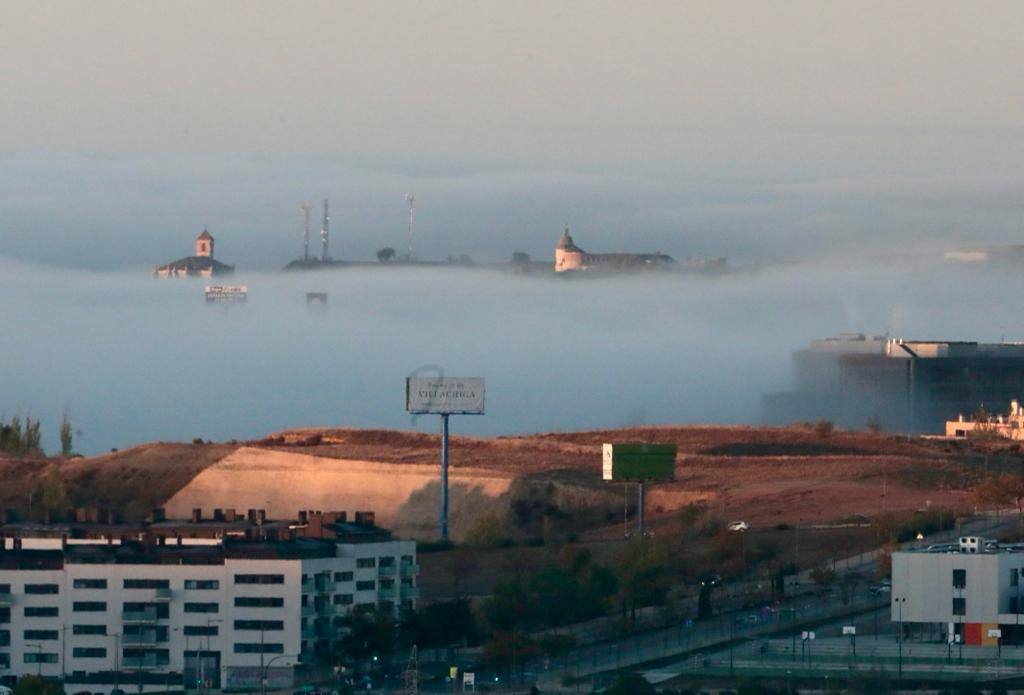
265	669
899	637
117	659
39	658
184	659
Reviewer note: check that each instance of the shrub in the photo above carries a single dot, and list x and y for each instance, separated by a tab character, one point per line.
824	428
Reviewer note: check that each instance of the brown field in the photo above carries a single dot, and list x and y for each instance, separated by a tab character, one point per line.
765	476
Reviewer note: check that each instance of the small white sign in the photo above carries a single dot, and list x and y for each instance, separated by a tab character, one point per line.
996	632
469	678
804	634
450	395
849	630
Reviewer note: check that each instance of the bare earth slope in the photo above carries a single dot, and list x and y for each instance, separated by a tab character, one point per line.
763	475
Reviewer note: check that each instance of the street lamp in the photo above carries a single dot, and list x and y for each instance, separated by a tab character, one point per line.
899	637
209	624
265	669
39	658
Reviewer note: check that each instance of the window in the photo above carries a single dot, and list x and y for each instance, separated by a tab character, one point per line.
201	607
258	602
5	614
343	599
147	584
365	562
41	589
90	584
1014	577
42	635
5	588
343	576
267	625
959	579
407	559
367	585
89	652
35	657
387	562
41	611
89	606
201	630
89	630
959	606
5	638
202	584
387	583
259	579
254	648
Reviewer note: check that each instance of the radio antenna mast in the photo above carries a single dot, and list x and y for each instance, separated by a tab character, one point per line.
305	207
410	198
325	232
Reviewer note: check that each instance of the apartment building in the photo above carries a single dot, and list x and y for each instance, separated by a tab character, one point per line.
970	591
219	603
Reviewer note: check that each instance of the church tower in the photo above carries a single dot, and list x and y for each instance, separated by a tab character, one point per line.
204	245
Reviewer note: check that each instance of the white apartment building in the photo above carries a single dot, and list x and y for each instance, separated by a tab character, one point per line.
969	591
125	608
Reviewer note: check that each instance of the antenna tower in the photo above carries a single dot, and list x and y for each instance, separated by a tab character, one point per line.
325	232
410	198
305	207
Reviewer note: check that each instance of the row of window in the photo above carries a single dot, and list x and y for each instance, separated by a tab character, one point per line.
190	584
159	632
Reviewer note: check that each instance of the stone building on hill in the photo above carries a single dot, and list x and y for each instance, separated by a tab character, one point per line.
202	264
569	256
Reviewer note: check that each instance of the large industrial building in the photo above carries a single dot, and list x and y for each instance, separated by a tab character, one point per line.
570	257
220	603
967	592
903	385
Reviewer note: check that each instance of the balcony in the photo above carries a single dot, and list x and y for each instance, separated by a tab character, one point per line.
145	639
386	594
308	610
163	595
410	569
386	570
410	592
325	587
148	615
6	599
140	662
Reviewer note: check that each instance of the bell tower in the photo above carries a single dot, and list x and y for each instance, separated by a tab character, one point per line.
204	245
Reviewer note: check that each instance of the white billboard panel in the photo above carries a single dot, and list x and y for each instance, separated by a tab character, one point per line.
226	293
454	395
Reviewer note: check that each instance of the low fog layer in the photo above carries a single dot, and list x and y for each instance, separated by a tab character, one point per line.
134	359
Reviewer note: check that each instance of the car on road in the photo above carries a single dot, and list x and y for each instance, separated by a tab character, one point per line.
739	526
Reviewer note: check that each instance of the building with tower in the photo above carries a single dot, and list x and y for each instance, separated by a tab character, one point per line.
202	264
570	257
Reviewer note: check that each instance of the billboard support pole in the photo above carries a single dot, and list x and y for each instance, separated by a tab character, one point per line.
640	509
444	476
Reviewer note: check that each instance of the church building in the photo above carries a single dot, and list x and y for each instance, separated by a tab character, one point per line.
569	256
202	264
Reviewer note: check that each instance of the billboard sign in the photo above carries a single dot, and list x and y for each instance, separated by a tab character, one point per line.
445	395
639	461
226	293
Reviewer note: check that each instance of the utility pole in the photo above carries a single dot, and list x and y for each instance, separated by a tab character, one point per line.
410	199
305	207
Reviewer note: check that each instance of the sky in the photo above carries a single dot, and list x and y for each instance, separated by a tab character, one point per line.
831	150
744	129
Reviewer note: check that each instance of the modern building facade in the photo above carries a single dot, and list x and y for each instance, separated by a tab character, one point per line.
903	385
966	591
219	603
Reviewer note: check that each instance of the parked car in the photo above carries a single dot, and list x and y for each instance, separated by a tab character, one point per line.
739	526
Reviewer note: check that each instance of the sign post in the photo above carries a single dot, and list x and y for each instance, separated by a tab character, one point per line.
851	630
640	463
444	396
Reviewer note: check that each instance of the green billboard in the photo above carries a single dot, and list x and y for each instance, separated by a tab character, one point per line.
639	461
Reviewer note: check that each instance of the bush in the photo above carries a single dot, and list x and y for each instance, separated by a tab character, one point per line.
490	531
824	428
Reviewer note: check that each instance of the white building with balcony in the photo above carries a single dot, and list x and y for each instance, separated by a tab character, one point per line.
124	608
